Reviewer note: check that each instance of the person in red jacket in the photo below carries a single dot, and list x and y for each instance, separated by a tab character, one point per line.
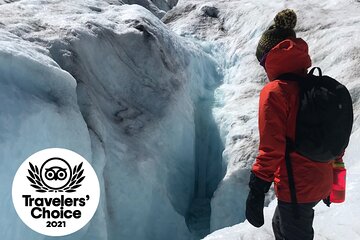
280	52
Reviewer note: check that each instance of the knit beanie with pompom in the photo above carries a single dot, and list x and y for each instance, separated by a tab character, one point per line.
281	29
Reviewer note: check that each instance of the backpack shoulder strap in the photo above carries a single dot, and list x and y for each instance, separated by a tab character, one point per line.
289	169
291	77
298	78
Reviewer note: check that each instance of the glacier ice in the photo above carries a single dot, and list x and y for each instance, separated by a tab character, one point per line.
162	118
39	110
125	92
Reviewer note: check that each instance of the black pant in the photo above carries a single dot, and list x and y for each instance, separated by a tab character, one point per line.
287	227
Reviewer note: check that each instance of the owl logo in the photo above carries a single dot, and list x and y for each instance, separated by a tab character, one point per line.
55	175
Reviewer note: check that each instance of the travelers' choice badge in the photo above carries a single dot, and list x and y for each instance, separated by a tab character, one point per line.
55	192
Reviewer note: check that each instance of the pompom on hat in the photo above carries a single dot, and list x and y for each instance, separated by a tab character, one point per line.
281	29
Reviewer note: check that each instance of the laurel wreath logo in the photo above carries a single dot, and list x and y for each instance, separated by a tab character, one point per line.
37	183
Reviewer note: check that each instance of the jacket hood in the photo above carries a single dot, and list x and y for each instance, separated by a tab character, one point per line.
289	56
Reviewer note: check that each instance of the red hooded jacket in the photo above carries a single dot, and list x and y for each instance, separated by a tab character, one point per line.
277	120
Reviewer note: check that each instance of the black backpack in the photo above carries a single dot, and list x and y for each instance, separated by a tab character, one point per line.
325	116
323	125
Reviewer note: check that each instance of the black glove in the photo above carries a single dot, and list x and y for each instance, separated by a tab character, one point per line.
255	201
327	201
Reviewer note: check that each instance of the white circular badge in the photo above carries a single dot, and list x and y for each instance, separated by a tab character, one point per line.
55	192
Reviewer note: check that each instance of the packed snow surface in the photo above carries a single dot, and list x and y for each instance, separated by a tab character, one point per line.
152	104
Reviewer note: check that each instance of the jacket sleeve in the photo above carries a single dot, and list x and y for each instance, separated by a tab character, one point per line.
273	111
